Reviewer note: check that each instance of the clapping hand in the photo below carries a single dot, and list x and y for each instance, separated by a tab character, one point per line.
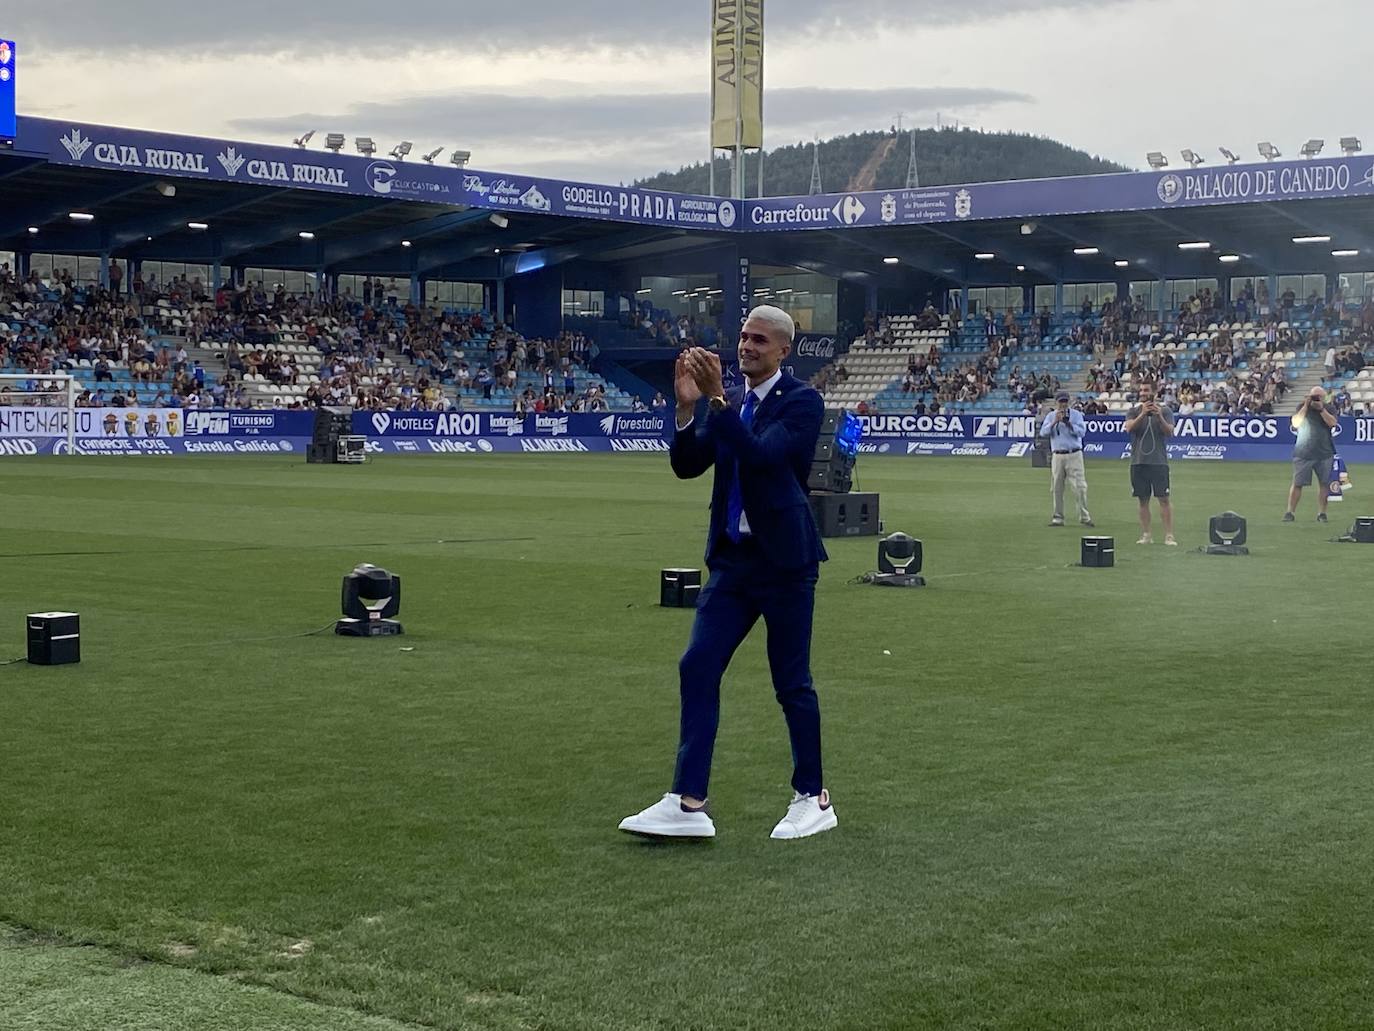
704	367
684	383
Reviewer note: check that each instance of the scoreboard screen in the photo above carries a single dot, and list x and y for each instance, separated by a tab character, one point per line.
7	119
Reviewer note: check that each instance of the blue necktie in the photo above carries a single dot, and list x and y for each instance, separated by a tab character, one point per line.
735	507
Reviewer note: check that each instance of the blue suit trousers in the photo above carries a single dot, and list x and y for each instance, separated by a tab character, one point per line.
742	587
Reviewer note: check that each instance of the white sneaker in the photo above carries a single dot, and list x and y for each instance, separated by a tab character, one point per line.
807	815
1169	540
1145	538
669	818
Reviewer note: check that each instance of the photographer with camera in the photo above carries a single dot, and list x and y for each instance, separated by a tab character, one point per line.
1314	452
1149	424
1066	428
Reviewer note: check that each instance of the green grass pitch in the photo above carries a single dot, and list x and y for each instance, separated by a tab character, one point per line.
1128	798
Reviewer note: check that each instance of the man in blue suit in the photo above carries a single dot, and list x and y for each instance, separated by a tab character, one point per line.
763	552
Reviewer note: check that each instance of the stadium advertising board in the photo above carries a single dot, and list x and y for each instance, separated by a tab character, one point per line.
98	146
8	120
34	430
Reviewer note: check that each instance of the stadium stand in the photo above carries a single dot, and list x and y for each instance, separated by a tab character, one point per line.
176	345
1205	357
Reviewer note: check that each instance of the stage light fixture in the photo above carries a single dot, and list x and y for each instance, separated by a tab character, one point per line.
371	596
1226	532
334	141
461	158
1157	160
1362	530
899	561
1350	145
1230	156
1191	157
429	158
401	149
1268	151
1312	148
365	145
303	139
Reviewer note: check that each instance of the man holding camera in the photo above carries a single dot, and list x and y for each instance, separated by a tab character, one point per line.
1150	424
1066	428
1314	452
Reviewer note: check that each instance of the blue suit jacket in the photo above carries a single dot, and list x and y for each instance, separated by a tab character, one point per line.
774	455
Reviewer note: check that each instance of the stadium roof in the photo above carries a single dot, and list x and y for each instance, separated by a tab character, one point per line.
258	199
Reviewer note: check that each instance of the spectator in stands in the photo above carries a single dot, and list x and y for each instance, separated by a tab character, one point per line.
659	403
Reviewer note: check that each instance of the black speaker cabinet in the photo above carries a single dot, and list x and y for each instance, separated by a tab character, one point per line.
678	588
1099	552
845	515
833	477
1364	529
54	638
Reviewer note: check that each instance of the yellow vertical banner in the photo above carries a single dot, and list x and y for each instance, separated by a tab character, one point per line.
737	73
725	25
751	73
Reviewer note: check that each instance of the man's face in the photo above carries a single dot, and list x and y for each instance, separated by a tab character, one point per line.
1147	395
761	350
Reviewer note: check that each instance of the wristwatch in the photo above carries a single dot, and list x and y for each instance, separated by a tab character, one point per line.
718	403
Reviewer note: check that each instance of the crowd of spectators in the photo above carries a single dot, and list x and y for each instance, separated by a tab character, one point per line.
359	341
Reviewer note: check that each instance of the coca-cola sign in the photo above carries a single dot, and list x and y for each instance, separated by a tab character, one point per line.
810	345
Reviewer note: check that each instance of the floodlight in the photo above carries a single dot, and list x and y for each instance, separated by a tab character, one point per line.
401	149
1084	252
335	141
1312	148
1228	259
1231	157
1192	158
1268	151
199	227
81	216
371	596
1020	268
306	234
303	139
899	561
460	158
985	255
1195	245
405	243
1157	160
33	230
1314	238
1121	263
891	261
1226	532
365	145
1345	252
1350	145
429	158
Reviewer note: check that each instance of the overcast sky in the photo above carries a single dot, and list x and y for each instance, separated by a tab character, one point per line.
610	91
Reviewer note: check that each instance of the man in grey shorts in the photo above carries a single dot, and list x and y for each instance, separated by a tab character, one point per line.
1313	452
1150	425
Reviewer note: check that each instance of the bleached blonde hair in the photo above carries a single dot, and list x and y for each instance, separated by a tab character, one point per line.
775	319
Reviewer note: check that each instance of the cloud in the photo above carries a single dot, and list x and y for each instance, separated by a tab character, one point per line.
359	25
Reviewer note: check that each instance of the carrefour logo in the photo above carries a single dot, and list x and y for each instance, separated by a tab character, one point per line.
379	175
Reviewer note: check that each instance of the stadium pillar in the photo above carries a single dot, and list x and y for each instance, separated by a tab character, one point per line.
104	270
216	276
1058	300
963	303
537	298
415	290
871	300
1273	283
1123	288
1163	300
1028	299
498	303
21	265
